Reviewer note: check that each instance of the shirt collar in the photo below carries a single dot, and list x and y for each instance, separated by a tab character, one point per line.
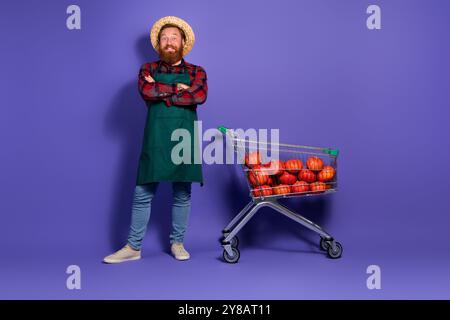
182	64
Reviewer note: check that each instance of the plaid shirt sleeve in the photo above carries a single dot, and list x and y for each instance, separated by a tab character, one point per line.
195	94
155	90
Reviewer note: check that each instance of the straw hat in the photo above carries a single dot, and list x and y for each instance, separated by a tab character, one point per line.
183	25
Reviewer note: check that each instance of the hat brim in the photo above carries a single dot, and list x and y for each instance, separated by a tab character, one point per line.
183	25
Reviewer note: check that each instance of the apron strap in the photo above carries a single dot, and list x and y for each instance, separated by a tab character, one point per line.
158	68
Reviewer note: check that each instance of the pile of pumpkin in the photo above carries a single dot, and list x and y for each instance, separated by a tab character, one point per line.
291	176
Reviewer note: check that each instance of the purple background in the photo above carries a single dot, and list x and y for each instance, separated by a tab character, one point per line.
71	125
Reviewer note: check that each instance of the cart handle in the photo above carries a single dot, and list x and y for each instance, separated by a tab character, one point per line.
330	151
222	129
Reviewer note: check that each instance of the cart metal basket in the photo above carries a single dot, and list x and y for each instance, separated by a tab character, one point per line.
299	171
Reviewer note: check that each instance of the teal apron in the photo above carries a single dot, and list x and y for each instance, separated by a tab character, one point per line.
155	163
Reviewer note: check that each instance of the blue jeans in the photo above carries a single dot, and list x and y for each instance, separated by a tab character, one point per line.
142	200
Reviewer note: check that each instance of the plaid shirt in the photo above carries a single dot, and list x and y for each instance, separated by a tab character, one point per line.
158	91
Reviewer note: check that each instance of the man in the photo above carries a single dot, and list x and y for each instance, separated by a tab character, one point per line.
172	88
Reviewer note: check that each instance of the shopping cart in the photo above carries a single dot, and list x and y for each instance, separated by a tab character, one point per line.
314	170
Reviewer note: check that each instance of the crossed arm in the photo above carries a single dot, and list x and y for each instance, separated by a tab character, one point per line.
150	90
173	94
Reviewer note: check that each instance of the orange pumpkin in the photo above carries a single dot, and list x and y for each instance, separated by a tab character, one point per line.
326	174
257	177
287	178
263	191
314	163
274	167
300	186
252	159
318	186
293	165
307	175
281	189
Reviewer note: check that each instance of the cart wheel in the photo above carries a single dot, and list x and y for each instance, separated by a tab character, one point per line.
324	244
335	254
234	242
234	258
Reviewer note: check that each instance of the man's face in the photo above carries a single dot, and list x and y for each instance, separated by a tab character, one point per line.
171	45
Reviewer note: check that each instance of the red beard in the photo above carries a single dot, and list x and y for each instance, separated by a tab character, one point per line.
170	57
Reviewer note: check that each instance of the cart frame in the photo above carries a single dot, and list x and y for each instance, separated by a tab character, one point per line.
230	241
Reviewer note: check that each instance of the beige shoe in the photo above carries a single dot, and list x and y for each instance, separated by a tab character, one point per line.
179	252
124	254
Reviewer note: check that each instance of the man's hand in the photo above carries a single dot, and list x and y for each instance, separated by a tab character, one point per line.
149	79
182	86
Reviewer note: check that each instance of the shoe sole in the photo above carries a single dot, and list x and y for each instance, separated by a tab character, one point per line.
120	261
182	259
